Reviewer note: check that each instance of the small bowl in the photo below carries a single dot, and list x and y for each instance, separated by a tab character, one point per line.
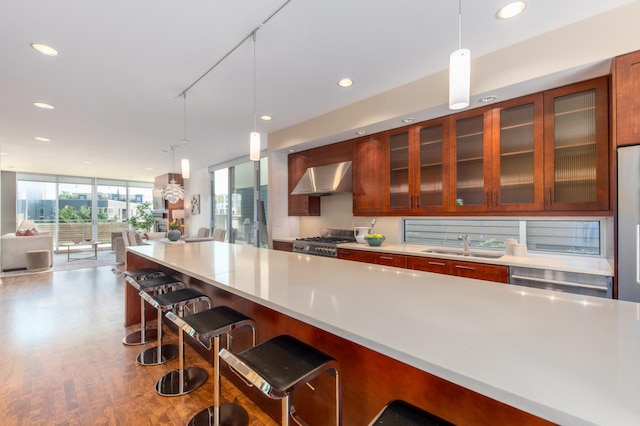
375	242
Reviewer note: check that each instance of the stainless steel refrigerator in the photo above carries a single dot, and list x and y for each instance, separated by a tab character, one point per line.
629	223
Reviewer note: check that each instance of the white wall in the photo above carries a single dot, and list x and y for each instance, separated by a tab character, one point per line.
198	183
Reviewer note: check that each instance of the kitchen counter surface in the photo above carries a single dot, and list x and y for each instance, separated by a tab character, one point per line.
568	358
580	264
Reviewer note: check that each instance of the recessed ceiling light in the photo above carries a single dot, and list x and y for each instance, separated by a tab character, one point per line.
265	117
87	162
3	153
43	105
292	150
41	139
148	168
361	132
345	82
44	49
408	120
487	99
510	10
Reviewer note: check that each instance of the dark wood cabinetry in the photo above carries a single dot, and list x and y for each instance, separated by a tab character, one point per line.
576	135
546	152
481	271
377	258
370	176
626	98
300	205
282	246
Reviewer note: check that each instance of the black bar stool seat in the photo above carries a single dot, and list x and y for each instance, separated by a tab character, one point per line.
183	380
279	366
207	327
135	278
401	413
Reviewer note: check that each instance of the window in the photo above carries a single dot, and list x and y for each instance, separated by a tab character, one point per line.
562	236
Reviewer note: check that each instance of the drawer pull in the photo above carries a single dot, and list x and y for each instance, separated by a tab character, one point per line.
385	258
346	252
437	263
468	268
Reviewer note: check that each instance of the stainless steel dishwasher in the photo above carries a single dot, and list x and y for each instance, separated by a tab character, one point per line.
568	282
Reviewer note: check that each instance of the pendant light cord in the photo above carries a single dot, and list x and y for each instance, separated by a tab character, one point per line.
459	24
254	80
185	117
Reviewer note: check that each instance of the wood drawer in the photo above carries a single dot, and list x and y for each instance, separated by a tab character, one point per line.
428	264
481	271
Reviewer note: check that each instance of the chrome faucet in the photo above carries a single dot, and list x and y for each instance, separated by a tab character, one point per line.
465	242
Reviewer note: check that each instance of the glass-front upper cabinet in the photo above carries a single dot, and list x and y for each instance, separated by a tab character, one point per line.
517	171
432	168
399	142
577	147
471	154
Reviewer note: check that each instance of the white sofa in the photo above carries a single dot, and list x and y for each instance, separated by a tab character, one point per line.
14	249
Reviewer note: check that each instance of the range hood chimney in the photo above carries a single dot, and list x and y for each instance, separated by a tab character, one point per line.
325	180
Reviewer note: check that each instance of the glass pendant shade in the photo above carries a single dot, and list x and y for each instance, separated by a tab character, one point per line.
173	192
185	168
254	146
459	79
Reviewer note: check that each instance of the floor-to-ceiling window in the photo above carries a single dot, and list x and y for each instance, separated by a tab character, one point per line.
78	209
239	201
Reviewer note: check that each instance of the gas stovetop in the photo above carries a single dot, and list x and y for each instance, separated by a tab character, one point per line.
325	244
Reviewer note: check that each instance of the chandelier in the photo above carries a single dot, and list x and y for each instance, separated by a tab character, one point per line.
173	192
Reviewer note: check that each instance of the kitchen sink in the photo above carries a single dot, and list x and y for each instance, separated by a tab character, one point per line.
482	255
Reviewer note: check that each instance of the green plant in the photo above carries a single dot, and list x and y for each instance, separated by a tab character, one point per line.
143	219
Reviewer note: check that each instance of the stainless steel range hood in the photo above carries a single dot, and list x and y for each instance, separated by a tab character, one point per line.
325	180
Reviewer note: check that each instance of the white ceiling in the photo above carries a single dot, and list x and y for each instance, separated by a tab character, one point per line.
122	65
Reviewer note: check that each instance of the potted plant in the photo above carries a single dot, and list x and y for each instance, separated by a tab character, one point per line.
174	233
143	219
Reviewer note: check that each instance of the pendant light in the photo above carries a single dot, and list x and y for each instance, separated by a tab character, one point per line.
173	192
459	71
254	137
185	141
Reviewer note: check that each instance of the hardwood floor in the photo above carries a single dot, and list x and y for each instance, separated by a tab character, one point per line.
62	361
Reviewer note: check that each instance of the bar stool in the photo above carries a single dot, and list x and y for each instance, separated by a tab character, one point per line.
279	366
210	325
180	381
149	280
401	413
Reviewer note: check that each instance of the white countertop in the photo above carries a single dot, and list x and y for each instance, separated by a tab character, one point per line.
580	264
568	358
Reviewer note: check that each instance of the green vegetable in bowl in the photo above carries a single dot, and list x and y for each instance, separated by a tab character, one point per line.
368	236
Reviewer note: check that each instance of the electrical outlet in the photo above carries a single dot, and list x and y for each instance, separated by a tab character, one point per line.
278	222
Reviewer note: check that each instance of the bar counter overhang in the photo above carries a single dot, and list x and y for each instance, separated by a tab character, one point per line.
470	351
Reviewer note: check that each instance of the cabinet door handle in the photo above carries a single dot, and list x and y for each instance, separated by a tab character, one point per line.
487	202
437	263
345	252
468	268
385	257
495	198
549	195
306	205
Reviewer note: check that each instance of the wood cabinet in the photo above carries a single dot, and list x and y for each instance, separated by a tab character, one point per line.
576	146
471	160
626	98
377	258
283	246
300	205
546	152
517	180
370	177
418	168
481	271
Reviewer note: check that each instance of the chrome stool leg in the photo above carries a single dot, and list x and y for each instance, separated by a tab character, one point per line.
183	380
144	335
207	327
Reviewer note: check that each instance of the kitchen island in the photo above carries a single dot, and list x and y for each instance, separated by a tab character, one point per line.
470	351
